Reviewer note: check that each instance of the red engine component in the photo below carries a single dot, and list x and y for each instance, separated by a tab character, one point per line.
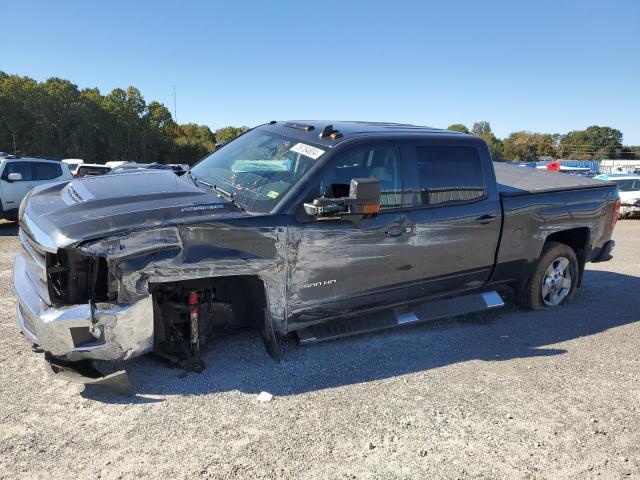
192	301
192	298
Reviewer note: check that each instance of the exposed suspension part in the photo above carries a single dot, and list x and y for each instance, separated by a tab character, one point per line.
192	301
186	318
188	314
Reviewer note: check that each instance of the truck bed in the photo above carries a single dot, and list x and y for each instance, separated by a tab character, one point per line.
514	180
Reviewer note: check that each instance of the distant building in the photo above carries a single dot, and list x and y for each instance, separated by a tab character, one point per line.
619	166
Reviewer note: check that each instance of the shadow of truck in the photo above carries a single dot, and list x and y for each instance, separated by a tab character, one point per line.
239	362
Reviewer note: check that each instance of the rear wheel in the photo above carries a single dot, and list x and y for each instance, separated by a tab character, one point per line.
554	280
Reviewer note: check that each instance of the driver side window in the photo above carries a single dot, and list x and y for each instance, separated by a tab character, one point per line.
24	168
382	163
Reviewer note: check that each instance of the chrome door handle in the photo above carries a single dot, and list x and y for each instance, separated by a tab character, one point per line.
485	219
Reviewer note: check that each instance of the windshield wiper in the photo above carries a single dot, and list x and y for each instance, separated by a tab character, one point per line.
193	179
216	188
223	192
219	190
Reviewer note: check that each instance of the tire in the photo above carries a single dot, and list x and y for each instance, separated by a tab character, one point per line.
554	280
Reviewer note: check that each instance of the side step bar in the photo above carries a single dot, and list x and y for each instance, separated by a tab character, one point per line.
423	312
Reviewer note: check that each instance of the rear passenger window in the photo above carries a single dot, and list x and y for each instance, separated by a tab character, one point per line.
91	171
46	171
449	175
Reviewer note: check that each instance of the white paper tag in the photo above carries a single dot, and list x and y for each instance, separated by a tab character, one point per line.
307	150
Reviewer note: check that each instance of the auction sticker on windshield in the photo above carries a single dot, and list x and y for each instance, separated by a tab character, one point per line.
307	150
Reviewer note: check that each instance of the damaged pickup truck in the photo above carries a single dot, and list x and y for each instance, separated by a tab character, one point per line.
305	229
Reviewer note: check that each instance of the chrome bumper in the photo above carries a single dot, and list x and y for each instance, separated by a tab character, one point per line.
75	332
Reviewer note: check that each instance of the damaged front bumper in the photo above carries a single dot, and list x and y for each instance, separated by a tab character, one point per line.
102	331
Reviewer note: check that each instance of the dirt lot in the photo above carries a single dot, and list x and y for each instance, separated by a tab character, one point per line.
513	394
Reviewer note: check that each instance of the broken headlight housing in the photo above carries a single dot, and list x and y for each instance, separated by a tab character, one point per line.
73	277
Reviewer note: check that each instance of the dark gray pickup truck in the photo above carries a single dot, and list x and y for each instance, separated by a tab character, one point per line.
310	229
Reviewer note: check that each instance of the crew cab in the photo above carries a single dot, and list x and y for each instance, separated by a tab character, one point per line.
307	229
18	175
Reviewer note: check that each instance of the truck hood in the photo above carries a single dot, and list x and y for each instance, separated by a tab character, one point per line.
60	214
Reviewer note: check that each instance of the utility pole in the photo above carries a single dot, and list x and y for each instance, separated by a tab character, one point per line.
175	105
15	151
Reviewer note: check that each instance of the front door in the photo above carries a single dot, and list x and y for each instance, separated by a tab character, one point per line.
13	191
340	266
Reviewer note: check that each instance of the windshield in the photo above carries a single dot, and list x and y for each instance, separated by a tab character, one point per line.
628	184
257	168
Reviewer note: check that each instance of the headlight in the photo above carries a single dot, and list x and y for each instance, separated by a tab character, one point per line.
23	204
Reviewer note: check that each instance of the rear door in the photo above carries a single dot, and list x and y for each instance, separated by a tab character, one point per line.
13	191
455	215
46	172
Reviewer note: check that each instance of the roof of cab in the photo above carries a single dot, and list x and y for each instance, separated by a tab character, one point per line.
332	132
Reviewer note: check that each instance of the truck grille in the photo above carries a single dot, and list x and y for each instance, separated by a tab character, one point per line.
36	264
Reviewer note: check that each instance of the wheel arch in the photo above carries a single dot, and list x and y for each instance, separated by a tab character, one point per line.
576	238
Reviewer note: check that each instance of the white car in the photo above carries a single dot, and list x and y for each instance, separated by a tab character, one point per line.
90	169
73	163
629	189
18	175
116	163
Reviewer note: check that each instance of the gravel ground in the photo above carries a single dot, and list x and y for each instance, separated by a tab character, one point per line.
512	394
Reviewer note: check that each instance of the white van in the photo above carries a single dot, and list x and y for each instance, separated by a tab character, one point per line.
18	175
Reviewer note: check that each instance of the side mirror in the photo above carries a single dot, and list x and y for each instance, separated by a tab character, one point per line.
14	177
363	200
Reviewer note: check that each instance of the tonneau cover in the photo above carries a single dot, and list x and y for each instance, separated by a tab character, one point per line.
516	180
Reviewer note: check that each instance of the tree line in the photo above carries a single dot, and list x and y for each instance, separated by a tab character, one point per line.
57	119
594	143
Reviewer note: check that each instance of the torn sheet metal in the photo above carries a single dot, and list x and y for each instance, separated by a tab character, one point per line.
189	252
125	331
84	373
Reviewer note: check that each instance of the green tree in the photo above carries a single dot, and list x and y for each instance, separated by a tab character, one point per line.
483	130
194	141
595	141
227	134
458	127
528	146
54	118
17	115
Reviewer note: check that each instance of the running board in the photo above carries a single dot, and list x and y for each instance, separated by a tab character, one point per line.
423	312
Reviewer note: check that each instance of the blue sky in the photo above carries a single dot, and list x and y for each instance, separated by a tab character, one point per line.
550	66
